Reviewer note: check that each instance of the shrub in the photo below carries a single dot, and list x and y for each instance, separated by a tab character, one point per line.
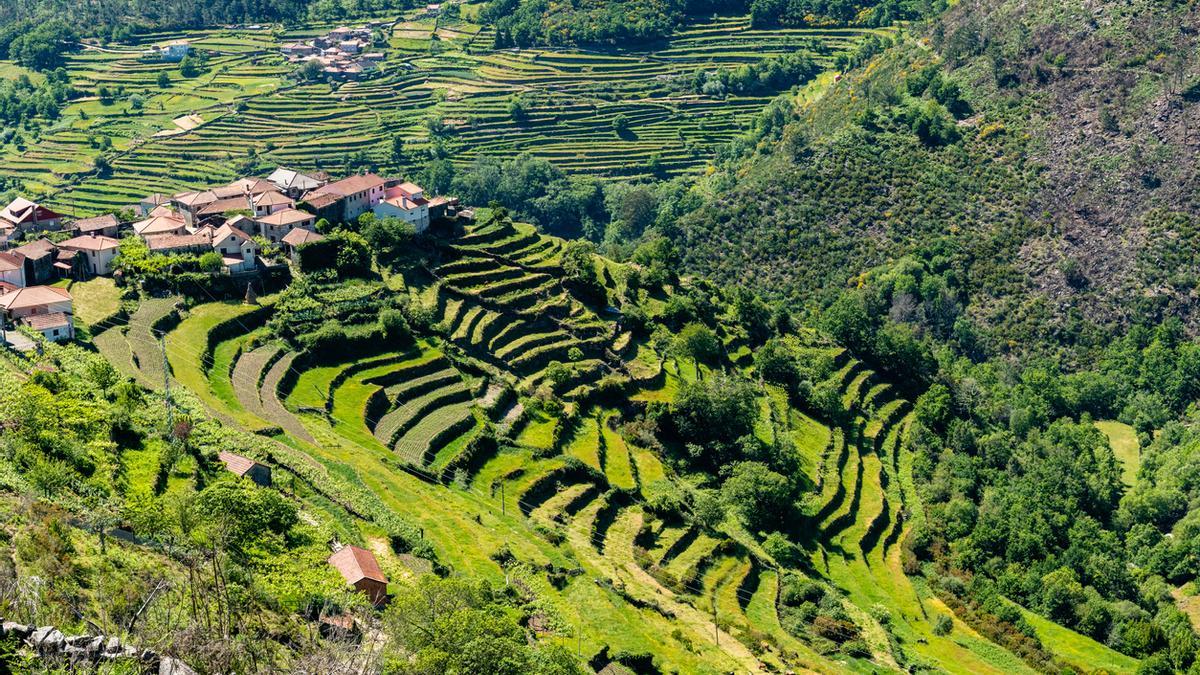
942	625
783	551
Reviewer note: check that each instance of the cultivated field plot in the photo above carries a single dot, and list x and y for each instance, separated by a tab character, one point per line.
246	107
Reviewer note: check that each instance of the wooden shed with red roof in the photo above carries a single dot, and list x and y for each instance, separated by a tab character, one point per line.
360	569
244	467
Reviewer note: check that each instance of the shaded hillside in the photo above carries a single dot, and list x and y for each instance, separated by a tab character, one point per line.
1043	153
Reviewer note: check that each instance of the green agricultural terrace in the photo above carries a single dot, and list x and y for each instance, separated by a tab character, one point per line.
514	428
442	89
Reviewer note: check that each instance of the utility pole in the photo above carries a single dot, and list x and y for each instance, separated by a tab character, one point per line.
503	511
166	366
716	628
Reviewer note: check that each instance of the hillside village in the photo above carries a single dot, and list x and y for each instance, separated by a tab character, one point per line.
251	226
343	53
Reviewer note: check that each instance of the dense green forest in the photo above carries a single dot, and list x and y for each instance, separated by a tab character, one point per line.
120	19
525	23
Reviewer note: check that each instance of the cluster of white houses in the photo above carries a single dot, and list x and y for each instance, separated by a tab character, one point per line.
343	53
282	210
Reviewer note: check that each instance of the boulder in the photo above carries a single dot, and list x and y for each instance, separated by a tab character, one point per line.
75	653
47	639
113	645
19	630
173	666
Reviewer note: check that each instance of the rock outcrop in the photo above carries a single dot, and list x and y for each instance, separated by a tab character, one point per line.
49	641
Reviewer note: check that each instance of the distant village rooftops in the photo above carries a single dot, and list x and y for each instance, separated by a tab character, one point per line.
340	52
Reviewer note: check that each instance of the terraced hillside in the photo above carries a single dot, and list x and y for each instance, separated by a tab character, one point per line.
453	91
502	302
453	431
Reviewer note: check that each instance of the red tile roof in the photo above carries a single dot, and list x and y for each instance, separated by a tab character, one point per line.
223	205
352	185
103	222
91	243
41	322
160	225
285	217
36	249
236	463
228	191
170	242
299	236
33	296
272	198
194	199
406	203
21	210
225	231
320	201
357	564
252	185
11	261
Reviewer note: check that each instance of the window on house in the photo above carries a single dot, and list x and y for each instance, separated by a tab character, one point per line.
55	332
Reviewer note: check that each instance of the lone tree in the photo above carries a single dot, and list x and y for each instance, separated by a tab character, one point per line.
696	342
